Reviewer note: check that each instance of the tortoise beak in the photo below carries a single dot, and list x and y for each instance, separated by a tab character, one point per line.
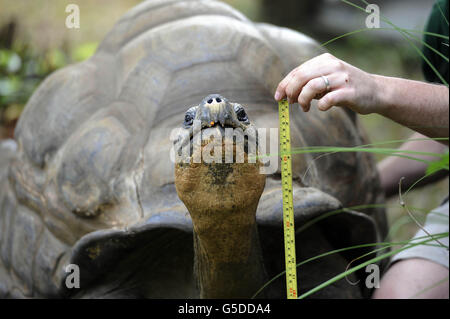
218	113
233	145
215	113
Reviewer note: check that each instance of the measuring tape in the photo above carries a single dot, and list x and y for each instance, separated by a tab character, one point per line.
288	206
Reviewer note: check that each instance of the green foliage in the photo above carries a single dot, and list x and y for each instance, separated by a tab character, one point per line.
22	69
435	166
425	241
84	51
17	76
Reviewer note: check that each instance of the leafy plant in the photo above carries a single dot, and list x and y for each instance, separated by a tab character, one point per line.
22	69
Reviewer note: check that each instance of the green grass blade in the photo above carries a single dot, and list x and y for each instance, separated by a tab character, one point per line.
405	36
438	283
418	181
368	145
442	13
394	228
386	244
446	37
391	29
335	212
362	265
352	208
333	150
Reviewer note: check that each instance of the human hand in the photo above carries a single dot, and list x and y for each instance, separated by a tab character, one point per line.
348	86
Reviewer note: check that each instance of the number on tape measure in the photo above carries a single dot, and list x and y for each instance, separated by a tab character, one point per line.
288	207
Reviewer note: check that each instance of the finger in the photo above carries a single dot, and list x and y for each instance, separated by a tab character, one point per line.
280	92
310	90
333	98
317	88
308	71
292	84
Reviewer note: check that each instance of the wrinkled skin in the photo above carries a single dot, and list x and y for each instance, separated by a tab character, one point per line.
222	198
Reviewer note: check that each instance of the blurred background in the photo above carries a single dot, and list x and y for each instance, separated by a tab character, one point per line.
35	42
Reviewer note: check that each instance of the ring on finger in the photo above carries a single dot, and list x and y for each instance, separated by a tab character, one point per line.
327	82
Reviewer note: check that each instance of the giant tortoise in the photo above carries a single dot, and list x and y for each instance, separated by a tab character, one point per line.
90	181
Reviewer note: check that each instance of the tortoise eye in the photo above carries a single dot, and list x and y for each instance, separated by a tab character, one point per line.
210	101
241	115
189	116
188	120
218	100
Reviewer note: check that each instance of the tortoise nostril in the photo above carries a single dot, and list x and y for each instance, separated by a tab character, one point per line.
210	101
218	100
241	115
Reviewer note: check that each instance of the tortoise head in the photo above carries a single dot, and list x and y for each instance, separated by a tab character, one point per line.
215	109
220	183
220	180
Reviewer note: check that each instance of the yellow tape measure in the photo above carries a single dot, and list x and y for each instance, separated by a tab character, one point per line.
288	206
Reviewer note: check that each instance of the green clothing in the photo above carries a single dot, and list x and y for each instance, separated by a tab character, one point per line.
436	24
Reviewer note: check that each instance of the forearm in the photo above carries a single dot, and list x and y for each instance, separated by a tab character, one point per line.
393	168
420	106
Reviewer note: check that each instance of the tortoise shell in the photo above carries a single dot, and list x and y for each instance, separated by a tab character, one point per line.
91	182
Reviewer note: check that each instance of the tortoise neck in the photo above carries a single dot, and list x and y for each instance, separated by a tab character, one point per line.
228	260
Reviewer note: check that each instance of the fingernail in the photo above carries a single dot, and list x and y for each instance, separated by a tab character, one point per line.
277	95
